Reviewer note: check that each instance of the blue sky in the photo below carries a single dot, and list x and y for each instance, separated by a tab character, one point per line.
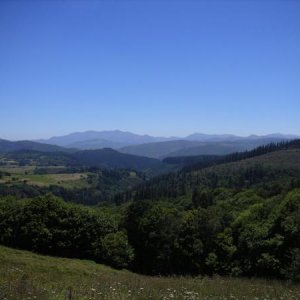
156	67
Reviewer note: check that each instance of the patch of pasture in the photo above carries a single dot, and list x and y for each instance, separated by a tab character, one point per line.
64	179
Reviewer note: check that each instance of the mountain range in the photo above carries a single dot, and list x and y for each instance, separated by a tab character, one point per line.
162	150
139	147
117	139
114	139
161	147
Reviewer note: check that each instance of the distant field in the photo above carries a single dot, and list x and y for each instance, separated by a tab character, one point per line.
14	169
66	180
25	173
24	275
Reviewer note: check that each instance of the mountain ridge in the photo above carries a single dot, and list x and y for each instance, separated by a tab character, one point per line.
162	150
117	139
11	146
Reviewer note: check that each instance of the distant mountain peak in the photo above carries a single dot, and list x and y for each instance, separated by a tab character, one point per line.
92	139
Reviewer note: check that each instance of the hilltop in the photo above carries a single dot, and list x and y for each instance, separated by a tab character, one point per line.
9	146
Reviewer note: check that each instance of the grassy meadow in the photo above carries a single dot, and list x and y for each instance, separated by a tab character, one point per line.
24	275
21	174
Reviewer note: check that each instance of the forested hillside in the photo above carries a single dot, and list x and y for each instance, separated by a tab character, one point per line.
238	217
104	158
201	161
109	158
264	164
88	177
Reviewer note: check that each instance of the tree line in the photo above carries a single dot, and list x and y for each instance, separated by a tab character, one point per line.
216	231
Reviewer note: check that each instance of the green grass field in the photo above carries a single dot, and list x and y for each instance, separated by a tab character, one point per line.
24	275
26	174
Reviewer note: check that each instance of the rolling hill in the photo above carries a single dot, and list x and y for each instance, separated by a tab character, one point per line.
109	158
278	163
177	223
162	150
102	158
9	146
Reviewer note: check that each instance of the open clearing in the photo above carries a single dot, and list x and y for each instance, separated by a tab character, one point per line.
25	174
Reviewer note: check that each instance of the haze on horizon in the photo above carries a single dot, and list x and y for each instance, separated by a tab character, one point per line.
44	138
158	67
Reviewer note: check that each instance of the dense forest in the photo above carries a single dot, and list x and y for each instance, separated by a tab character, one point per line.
237	215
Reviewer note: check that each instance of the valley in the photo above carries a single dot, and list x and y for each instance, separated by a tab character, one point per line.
190	215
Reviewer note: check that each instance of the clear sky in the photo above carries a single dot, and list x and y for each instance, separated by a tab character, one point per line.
156	67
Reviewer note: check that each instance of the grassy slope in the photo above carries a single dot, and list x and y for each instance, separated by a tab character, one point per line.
24	275
284	158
